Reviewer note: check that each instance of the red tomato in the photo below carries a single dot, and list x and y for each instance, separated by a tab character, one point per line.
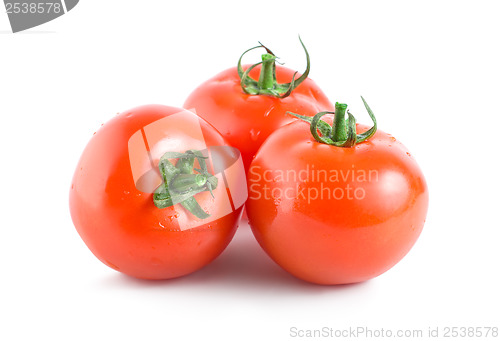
334	215
111	197
246	120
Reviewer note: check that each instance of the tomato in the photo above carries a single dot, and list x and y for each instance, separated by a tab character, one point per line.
335	212
157	193
245	111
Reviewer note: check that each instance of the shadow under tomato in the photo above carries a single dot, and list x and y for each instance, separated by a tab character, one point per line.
243	266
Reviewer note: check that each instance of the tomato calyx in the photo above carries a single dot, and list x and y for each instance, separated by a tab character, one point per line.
181	184
342	133
267	83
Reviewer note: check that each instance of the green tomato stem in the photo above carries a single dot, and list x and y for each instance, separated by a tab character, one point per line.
339	131
267	78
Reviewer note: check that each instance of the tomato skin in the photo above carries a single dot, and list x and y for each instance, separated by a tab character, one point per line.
330	238
121	225
245	120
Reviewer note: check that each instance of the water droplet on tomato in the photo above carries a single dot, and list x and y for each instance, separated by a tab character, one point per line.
393	139
254	134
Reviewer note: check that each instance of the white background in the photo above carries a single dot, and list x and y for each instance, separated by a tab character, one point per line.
429	70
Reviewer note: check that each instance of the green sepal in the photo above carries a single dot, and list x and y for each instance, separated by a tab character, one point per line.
167	170
370	132
324	128
342	132
192	206
185	164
